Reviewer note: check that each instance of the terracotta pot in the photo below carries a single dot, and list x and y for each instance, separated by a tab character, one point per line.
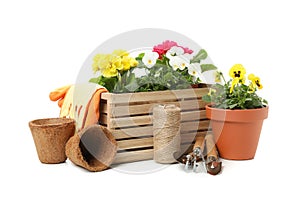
236	132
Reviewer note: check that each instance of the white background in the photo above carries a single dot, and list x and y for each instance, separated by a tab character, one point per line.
44	43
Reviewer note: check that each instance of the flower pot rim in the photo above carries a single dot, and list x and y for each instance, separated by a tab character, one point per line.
44	122
209	106
246	115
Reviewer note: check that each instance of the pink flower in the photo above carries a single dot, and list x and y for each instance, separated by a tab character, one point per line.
158	50
162	49
187	50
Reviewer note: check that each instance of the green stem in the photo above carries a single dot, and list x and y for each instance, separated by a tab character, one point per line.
119	77
223	77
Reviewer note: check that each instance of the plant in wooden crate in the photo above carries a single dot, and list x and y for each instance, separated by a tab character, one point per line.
127	109
237	113
167	66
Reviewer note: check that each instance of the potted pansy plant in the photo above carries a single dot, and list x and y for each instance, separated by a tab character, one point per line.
236	113
166	66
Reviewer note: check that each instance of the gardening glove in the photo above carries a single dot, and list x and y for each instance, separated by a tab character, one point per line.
59	94
80	102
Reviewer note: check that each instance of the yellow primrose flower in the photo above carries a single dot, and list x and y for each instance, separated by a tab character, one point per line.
120	52
110	71
234	82
110	59
96	62
237	71
117	62
108	64
133	62
128	62
255	81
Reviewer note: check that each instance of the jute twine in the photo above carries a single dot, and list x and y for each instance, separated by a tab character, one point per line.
166	132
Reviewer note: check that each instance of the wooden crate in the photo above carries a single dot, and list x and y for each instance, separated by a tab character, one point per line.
129	117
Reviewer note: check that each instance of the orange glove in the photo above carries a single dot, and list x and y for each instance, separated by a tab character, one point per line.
59	94
82	105
93	111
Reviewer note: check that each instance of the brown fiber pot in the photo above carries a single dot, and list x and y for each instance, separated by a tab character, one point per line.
50	137
237	132
93	148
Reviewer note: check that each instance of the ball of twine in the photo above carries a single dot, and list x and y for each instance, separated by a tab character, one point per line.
166	132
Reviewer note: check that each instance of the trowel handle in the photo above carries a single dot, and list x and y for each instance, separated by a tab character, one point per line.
200	142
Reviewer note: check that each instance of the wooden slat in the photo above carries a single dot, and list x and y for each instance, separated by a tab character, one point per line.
128	110
193	115
148	130
130	121
106	96
132	132
109	109
133	156
154	96
135	143
196	125
139	155
148	142
147	119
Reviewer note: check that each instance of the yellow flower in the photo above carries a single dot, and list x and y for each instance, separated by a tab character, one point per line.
96	62
255	82
133	62
110	64
110	71
107	64
234	82
128	62
113	60
120	52
117	62
237	71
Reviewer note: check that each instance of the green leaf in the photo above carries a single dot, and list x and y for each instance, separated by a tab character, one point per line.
160	62
94	80
207	67
140	56
232	106
201	55
168	76
206	98
133	86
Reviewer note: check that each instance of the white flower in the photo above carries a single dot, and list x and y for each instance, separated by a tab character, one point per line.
150	58
194	69
174	51
179	62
